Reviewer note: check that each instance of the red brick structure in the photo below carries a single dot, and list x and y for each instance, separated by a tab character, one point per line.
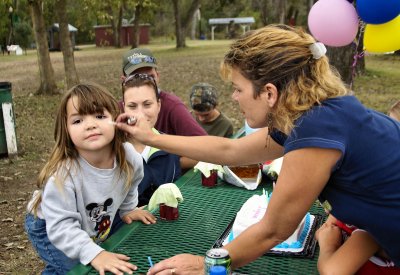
104	35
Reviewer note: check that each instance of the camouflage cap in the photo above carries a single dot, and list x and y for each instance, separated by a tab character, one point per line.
137	58
203	97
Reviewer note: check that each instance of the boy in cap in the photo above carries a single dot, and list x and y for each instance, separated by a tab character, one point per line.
204	100
174	118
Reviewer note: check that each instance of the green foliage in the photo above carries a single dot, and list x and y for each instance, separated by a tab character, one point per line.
4	21
82	15
23	34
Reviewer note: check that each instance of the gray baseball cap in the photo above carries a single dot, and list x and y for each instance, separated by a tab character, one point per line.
137	58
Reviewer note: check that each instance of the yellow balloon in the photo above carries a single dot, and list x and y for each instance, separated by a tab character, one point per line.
382	38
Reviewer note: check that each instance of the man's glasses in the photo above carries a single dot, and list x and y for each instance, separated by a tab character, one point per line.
135	77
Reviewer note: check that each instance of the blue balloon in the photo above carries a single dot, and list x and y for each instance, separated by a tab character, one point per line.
378	11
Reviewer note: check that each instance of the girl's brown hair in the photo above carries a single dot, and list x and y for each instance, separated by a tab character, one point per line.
280	55
92	99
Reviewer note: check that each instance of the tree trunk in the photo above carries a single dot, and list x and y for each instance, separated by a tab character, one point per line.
342	59
136	27
47	80
180	28
114	25
66	44
360	67
281	10
119	25
263	5
180	41
310	3
195	19
349	60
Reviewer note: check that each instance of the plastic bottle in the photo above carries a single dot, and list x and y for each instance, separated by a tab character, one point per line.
218	270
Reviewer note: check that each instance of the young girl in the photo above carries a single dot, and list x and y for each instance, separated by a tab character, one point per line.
90	175
140	95
360	254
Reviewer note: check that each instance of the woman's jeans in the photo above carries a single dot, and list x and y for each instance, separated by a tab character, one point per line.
56	261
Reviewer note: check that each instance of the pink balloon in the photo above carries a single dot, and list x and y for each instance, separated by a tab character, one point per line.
333	22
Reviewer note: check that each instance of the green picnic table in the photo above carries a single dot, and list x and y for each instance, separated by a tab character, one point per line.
203	216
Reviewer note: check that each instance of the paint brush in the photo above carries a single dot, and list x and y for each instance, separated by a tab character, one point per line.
130	121
150	261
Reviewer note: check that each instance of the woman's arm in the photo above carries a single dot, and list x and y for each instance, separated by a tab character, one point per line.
303	176
187	163
246	150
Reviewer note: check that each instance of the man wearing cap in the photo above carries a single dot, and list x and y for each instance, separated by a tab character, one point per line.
204	100
174	118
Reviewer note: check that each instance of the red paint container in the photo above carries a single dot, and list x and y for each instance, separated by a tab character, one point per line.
211	181
168	213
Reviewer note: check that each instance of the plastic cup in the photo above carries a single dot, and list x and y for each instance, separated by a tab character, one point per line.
211	181
168	213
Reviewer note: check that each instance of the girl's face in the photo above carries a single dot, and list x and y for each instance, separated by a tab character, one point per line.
89	133
142	100
254	110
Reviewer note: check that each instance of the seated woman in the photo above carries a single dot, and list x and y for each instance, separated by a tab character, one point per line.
140	97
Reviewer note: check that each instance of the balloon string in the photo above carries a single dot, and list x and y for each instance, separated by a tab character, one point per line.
357	55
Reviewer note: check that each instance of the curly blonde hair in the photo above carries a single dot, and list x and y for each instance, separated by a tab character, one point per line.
91	99
280	55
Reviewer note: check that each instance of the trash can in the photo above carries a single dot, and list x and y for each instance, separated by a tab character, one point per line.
5	96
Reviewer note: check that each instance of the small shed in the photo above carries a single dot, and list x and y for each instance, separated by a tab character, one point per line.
54	36
244	22
104	35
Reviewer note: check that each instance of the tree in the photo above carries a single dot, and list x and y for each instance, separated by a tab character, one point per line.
196	19
341	58
115	12
23	34
136	21
66	45
281	10
47	80
182	23
109	11
347	61
263	6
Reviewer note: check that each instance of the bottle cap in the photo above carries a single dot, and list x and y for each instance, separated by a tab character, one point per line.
218	270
